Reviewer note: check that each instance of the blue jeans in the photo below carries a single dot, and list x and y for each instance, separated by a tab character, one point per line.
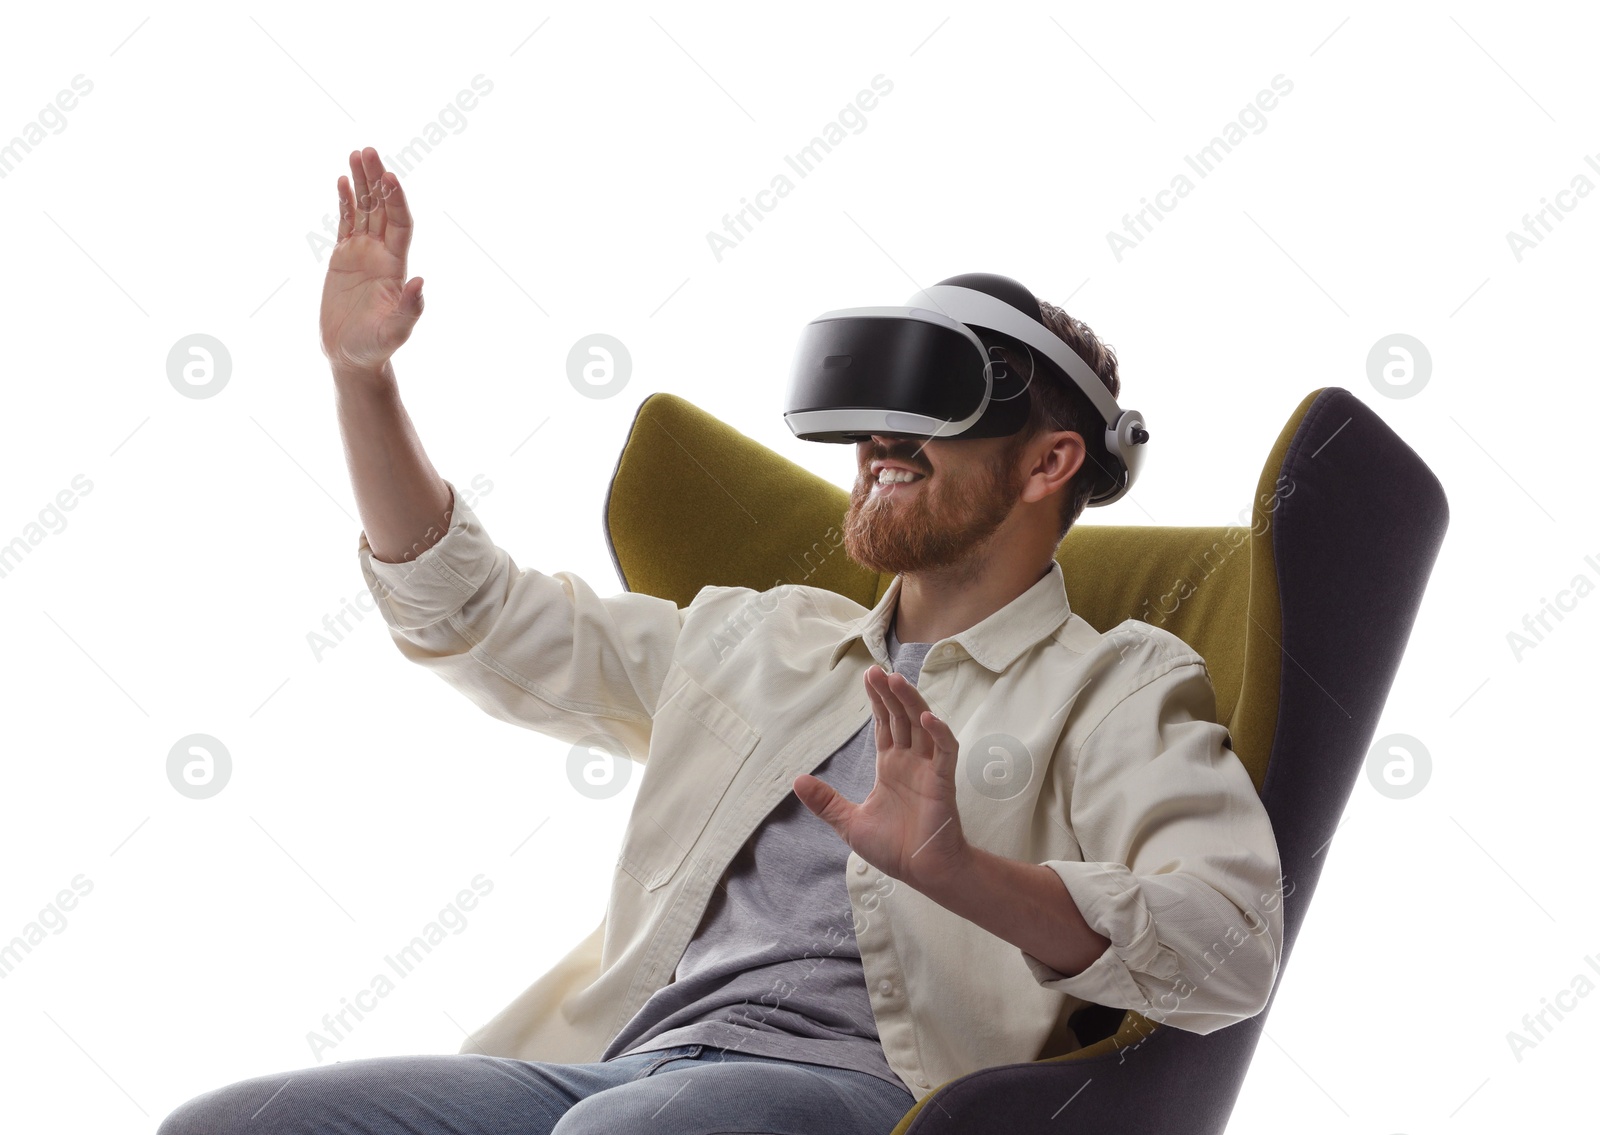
692	1089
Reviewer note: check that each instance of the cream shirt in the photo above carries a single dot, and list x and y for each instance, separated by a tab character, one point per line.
1095	754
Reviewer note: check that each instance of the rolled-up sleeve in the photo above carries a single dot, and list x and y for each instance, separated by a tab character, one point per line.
541	651
1180	867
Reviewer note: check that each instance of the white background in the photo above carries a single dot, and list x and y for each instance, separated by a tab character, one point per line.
178	595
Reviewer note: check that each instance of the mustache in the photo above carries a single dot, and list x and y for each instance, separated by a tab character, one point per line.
907	459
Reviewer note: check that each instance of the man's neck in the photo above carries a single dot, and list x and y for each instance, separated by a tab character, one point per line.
933	607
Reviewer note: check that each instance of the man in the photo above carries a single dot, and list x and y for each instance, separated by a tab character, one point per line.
871	850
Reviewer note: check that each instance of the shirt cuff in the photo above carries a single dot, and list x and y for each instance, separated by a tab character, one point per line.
1136	966
418	593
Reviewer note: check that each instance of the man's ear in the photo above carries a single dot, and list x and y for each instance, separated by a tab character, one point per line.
1058	456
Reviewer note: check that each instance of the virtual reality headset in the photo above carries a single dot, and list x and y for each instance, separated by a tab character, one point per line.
932	369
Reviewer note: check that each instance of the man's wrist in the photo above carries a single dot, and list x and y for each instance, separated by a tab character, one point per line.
955	875
363	378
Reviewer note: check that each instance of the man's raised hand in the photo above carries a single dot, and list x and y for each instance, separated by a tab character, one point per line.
368	306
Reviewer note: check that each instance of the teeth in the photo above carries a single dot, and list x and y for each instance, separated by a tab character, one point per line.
897	476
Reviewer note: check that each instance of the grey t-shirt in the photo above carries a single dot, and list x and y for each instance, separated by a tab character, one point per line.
773	968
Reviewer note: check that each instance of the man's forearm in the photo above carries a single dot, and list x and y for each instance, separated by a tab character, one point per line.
405	506
1024	903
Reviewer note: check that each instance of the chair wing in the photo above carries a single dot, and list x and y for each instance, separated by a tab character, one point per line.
695	503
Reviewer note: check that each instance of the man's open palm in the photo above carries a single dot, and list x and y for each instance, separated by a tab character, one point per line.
368	306
907	827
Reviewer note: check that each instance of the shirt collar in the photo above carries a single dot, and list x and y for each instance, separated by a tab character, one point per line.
995	641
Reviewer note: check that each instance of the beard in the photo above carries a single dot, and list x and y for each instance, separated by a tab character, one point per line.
944	522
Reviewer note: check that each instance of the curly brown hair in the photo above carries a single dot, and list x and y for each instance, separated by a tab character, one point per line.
1055	405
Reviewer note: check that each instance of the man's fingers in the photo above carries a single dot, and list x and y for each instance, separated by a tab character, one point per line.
373	203
945	745
377	207
823	801
347	209
397	217
358	183
881	735
912	706
893	707
943	736
411	297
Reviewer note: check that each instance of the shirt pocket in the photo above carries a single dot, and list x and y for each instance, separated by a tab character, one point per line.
697	744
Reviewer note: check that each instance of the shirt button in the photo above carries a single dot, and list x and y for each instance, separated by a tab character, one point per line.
921	1083
861	866
885	986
